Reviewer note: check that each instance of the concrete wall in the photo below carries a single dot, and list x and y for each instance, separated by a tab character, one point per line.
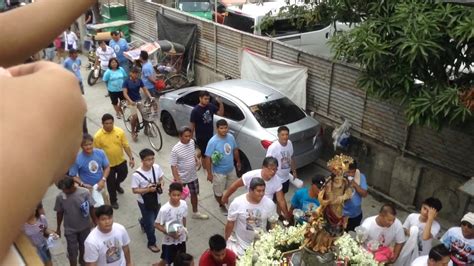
205	75
405	179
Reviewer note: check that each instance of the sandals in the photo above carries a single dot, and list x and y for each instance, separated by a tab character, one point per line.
135	136
154	249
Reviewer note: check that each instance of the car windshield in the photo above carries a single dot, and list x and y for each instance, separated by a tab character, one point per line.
195	6
276	113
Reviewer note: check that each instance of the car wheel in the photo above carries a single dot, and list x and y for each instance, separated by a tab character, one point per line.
168	124
245	165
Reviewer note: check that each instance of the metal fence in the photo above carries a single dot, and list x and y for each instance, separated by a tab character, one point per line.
331	89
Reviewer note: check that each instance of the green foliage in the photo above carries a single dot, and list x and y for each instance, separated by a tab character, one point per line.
415	52
312	15
406	41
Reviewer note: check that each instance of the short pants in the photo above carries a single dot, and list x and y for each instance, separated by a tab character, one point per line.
193	186
115	96
221	181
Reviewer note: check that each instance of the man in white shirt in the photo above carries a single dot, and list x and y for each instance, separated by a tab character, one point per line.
282	150
70	40
248	214
149	178
386	229
438	256
273	187
103	54
183	166
108	243
428	227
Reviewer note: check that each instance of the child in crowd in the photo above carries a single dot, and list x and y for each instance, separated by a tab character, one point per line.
171	220
428	227
36	228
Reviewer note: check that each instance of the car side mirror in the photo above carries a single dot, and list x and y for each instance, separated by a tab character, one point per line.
180	101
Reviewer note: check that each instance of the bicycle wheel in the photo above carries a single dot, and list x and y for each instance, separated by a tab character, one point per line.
127	118
154	136
176	81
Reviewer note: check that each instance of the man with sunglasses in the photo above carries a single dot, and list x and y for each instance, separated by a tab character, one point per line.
460	241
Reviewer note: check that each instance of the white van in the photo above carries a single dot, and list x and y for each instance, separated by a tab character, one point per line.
247	18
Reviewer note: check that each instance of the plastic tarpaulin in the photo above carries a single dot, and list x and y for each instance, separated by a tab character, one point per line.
288	79
178	31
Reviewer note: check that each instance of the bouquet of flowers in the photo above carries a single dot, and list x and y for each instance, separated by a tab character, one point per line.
348	248
269	247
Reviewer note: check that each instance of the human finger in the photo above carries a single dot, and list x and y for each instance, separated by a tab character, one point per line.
27	69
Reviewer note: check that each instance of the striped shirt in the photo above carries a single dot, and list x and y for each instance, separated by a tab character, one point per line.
183	157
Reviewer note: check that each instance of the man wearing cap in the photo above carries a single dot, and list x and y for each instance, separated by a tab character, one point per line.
306	199
120	46
460	241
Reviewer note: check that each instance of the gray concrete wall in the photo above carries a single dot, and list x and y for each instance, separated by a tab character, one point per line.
405	179
205	75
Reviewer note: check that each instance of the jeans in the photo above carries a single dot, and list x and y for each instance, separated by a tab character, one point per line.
75	245
117	175
148	223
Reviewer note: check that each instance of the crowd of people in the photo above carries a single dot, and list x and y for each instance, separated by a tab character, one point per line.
87	194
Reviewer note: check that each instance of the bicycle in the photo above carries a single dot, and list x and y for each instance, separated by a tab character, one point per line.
148	110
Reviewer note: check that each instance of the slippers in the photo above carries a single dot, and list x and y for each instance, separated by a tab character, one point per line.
154	249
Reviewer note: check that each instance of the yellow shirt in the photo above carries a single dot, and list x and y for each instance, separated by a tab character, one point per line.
112	143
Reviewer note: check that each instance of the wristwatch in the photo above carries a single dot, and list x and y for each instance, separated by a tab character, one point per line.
104	178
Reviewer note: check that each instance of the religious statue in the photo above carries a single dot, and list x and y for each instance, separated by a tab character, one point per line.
327	222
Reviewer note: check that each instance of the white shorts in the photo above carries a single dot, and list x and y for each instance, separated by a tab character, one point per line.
221	181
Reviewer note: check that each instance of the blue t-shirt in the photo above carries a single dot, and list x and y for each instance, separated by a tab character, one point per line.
115	79
90	168
148	71
301	200
203	118
133	88
225	147
353	207
74	66
119	47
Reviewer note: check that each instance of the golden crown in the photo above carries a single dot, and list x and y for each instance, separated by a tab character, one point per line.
339	164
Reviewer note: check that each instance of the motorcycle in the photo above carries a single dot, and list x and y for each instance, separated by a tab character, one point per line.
95	73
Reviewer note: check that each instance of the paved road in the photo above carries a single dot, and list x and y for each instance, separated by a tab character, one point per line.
127	215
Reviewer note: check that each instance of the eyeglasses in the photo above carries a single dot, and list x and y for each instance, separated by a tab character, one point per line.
465	223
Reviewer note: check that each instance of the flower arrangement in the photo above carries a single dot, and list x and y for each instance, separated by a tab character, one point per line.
267	250
348	248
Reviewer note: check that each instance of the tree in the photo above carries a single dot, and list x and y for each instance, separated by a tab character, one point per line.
418	53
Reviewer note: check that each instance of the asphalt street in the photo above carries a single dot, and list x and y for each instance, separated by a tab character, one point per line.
128	213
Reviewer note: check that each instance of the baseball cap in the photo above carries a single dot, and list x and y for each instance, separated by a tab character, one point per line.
468	217
318	180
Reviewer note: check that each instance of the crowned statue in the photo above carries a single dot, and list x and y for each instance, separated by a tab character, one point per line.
327	223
